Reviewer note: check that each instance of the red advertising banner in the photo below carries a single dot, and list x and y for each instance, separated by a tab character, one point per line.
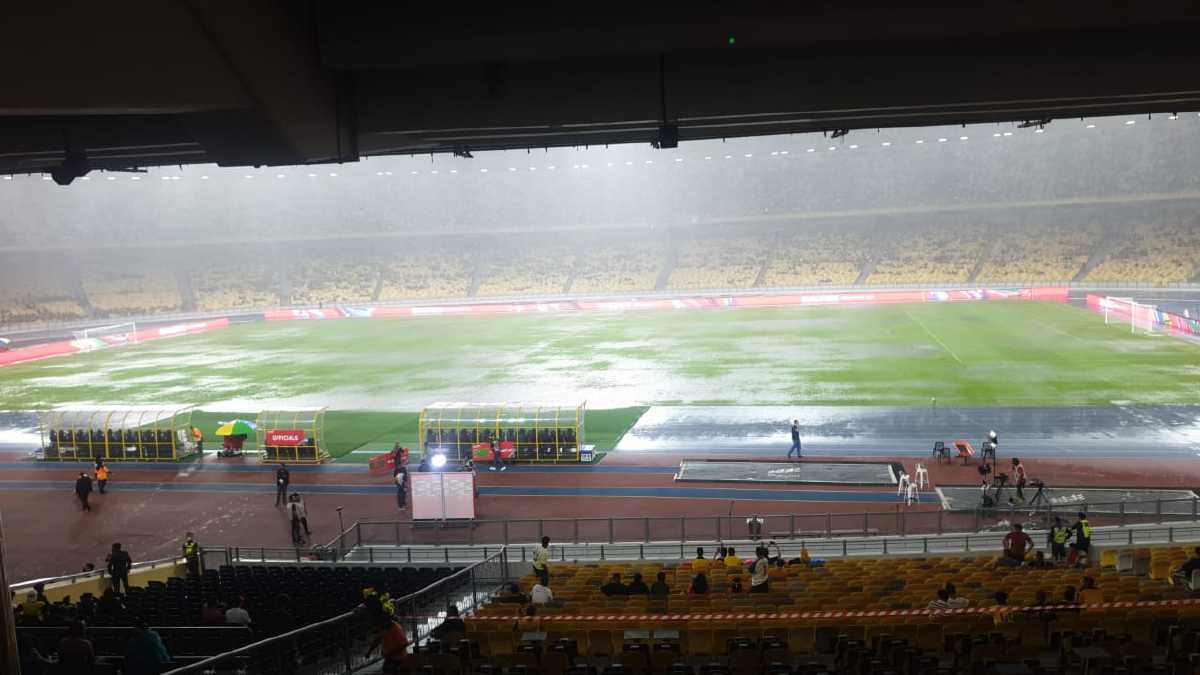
284	437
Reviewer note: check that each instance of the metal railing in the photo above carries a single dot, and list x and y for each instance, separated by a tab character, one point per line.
898	521
841	547
96	574
342	644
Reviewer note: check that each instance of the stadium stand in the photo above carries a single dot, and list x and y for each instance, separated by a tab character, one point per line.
929	254
1155	253
427	270
620	265
1039	253
316	282
527	266
814	258
46	287
34	289
278	599
125	291
720	261
842	616
230	285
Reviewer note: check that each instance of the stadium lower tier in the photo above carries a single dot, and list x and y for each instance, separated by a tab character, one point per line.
38	287
840	616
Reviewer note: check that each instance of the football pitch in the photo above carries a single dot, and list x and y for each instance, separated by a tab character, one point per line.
378	373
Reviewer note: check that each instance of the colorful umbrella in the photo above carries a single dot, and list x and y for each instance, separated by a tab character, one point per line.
236	428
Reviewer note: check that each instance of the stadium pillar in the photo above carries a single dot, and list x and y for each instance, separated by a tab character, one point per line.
8	631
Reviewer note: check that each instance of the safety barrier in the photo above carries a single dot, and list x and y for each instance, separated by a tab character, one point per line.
897	522
342	643
666	551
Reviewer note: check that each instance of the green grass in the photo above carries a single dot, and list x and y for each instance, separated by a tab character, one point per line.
993	353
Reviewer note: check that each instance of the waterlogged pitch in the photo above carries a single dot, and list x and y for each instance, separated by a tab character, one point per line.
993	353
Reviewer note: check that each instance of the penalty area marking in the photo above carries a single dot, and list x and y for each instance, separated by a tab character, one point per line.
936	338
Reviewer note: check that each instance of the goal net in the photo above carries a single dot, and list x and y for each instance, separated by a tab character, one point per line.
1140	318
106	336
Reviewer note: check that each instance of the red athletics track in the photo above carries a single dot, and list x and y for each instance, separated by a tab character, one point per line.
149	510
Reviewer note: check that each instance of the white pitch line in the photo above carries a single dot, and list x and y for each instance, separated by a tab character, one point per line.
936	338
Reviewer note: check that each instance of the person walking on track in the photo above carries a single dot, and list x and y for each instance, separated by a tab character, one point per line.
293	511
102	474
795	440
282	478
83	488
303	508
401	478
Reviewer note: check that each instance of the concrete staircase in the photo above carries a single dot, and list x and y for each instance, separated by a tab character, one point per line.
984	256
1099	255
187	293
669	261
378	290
760	279
867	269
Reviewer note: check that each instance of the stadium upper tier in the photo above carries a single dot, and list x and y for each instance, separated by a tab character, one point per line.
71	285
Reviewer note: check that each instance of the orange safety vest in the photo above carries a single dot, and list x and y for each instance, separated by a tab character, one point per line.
102	473
197	435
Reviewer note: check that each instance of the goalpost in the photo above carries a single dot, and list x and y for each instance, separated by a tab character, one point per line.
1139	316
107	336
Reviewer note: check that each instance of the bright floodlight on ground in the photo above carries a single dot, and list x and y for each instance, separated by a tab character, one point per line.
438	461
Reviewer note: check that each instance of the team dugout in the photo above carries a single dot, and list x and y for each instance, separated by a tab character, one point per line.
145	434
537	433
292	435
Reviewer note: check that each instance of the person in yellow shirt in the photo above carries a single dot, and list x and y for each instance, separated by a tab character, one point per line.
700	564
33	608
731	559
102	474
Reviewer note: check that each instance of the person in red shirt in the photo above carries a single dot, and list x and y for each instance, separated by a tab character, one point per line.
393	643
1016	545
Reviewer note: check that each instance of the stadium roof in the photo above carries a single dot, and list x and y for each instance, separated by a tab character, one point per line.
262	82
